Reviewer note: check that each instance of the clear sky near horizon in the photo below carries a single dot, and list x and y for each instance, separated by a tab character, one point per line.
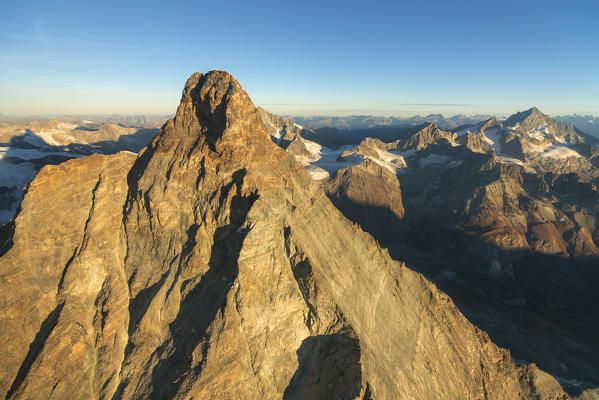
303	57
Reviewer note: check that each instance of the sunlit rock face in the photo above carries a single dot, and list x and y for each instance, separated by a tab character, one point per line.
212	266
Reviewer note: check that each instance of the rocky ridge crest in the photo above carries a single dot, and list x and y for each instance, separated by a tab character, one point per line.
216	268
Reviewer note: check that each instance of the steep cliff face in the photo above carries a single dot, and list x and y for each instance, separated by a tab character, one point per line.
370	195
503	242
214	267
64	296
429	135
281	130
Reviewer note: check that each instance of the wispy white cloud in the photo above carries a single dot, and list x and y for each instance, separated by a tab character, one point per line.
437	104
40	36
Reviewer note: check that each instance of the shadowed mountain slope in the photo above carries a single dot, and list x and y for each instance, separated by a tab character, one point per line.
213	266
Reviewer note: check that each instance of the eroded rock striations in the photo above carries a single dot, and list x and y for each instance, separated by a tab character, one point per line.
514	245
216	268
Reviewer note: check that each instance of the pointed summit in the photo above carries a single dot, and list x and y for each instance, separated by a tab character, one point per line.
531	117
542	127
217	268
216	120
488	123
216	106
428	135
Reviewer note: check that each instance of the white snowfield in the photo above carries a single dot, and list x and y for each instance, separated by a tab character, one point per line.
16	175
540	133
391	160
510	160
554	151
322	161
316	149
317	173
433	159
31	154
52	137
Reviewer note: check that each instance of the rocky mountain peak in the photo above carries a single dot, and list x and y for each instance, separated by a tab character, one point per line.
539	126
529	117
431	126
428	135
490	121
535	111
215	118
216	106
215	268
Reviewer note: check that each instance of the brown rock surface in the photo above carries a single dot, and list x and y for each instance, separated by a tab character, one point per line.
431	134
64	296
218	269
368	194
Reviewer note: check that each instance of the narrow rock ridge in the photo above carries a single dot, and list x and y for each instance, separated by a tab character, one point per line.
428	135
216	268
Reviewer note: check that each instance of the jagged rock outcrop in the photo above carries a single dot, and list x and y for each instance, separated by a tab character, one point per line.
214	267
431	134
533	118
370	195
281	130
475	142
503	242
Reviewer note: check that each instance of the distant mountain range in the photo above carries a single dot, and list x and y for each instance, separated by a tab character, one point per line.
141	120
356	122
28	145
213	266
586	123
500	214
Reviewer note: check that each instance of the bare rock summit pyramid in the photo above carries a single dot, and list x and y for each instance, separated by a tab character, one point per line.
212	267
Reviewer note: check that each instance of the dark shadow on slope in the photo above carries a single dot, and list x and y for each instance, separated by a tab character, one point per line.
204	302
543	308
35	347
133	142
377	219
140	303
7	232
329	368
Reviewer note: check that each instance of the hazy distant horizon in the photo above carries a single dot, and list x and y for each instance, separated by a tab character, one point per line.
308	58
357	113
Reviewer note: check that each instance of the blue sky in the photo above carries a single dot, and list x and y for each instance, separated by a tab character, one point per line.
302	57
